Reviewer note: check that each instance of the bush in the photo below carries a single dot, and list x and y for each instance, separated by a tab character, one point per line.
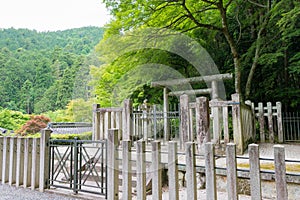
77	110
34	125
81	136
12	120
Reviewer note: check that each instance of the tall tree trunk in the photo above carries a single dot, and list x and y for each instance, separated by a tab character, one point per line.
233	48
256	56
253	68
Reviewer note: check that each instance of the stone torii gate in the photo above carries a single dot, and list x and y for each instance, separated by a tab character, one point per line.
213	91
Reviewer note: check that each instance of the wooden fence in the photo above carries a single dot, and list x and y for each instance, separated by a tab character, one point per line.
25	161
190	154
194	122
270	121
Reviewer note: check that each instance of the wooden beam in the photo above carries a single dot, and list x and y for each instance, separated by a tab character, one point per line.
210	78
190	92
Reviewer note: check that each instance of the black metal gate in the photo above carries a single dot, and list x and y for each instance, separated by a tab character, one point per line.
78	165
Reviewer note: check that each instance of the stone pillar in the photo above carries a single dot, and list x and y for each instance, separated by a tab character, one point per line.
20	162
166	119
156	171
27	162
210	174
112	165
184	120
35	164
127	121
237	124
279	122
12	160
126	170
5	160
280	172
173	171
44	159
1	156
141	170
231	166
255	179
202	123
96	122
191	184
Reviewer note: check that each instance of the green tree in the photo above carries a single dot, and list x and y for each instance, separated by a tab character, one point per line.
242	36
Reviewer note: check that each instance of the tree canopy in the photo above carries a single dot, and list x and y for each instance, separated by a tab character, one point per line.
43	71
257	40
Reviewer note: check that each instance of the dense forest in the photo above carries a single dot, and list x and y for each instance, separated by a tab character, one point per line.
43	71
257	41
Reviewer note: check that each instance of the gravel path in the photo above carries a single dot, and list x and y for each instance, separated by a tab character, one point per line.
13	193
201	194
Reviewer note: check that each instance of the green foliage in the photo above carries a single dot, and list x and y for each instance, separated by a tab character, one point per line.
34	125
42	71
77	110
261	36
12	120
81	136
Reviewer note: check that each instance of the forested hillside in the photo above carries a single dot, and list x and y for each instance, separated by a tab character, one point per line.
43	71
258	41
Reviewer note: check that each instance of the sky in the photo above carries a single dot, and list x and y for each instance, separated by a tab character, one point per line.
52	15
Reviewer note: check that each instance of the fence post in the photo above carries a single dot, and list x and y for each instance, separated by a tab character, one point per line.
191	184
202	122
35	164
254	120
255	180
1	156
237	124
279	122
231	166
141	170
156	171
101	125
44	159
5	160
270	122
210	174
127	121
184	120
96	122
126	173
112	165
173	171
107	124
12	160
225	124
166	119
119	124
154	119
280	172
261	122
20	162
27	162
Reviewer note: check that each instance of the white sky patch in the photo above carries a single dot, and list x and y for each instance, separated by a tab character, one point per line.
52	15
